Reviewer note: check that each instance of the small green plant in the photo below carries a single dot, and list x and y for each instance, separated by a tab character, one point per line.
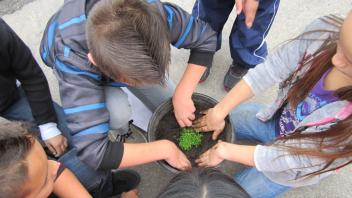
189	138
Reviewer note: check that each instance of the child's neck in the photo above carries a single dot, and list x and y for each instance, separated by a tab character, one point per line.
335	80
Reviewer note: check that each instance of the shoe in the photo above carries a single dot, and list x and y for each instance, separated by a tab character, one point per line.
121	134
124	181
234	75
205	75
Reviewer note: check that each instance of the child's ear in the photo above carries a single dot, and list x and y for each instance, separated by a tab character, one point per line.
90	57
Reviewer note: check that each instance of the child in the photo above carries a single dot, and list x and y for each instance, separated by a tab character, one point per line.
202	183
95	47
31	102
306	133
25	170
247	38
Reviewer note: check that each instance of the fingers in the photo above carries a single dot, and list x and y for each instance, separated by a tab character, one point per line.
203	159
65	143
192	116
205	112
185	122
250	10
51	149
249	19
180	122
216	133
239	6
199	124
59	150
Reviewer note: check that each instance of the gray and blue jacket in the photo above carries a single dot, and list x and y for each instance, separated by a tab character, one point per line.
64	48
275	162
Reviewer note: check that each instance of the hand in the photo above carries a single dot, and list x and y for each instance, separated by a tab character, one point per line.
176	158
130	194
212	157
184	110
249	8
57	145
211	121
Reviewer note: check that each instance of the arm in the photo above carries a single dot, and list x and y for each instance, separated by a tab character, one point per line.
182	100
83	100
276	68
136	154
189	33
67	186
36	88
226	151
259	156
214	119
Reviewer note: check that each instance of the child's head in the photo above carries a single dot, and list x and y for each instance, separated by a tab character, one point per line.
24	168
202	183
334	52
342	59
128	41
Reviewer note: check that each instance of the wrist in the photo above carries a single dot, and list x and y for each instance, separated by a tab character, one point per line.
167	148
222	150
219	111
182	93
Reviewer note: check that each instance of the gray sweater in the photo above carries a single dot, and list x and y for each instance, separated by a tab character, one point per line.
64	48
276	163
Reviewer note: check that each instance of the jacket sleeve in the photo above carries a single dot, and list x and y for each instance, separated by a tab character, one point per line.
29	73
282	160
280	64
84	104
191	33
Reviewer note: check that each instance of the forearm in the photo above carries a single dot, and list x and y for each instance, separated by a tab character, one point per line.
240	93
136	154
239	153
189	80
67	186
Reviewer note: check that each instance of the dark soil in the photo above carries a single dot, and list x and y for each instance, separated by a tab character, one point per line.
170	130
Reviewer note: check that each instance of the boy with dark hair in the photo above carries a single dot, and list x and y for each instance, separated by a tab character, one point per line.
25	171
123	43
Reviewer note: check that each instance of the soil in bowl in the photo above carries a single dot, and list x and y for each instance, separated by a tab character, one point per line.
170	130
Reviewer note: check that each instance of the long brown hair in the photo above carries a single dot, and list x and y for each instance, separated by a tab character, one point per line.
334	143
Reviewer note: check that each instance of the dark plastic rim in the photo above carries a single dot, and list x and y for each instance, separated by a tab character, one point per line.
165	107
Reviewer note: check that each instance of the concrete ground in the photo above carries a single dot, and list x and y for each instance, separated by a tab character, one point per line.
30	20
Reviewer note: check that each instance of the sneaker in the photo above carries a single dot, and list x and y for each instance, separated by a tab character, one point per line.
205	75
124	181
121	134
233	76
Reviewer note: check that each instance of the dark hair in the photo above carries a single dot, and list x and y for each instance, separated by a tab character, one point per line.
334	143
129	39
202	183
15	143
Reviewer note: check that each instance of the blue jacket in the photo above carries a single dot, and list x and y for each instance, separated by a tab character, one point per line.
64	48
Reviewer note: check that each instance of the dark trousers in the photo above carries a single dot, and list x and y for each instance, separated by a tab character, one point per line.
98	183
248	46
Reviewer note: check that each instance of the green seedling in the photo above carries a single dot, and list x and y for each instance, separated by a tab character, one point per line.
189	138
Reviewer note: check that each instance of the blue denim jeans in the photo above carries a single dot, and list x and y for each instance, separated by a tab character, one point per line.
248	127
97	182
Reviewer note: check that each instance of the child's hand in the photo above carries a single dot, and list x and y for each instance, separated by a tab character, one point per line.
210	122
214	156
57	145
184	110
176	158
130	194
